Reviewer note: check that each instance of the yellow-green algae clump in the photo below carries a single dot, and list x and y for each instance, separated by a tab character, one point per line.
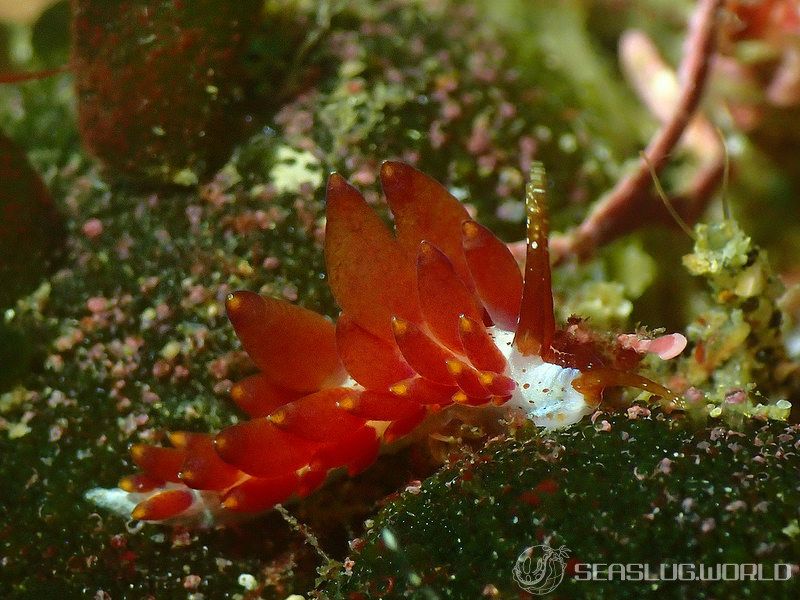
737	362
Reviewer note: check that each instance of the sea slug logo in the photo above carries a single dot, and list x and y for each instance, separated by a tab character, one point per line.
540	569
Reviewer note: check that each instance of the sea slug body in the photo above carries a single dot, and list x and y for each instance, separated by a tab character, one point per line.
436	316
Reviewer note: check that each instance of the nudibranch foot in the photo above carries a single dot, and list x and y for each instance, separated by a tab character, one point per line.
438	321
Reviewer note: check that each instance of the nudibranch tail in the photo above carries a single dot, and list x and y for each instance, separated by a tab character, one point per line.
435	316
536	328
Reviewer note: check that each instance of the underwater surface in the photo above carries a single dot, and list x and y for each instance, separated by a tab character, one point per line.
439	373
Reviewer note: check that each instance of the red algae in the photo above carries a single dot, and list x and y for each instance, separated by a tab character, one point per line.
160	83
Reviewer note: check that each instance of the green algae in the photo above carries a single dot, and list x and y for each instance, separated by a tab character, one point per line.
648	489
605	288
738	356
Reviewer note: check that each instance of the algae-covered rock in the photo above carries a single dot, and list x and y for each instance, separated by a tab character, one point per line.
31	230
636	488
160	83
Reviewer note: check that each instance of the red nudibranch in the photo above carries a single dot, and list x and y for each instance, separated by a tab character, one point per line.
435	316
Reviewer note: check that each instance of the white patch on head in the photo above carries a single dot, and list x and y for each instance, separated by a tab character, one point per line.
544	391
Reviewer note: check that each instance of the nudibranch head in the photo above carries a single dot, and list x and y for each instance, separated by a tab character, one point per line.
436	315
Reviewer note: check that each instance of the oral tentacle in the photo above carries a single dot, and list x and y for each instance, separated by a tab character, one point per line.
592	384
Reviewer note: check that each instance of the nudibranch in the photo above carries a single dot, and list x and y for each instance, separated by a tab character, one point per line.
435	317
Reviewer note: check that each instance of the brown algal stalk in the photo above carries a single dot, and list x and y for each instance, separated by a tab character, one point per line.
631	204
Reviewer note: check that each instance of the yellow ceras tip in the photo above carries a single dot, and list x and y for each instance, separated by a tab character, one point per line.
399	389
278	417
347	403
138	451
470	229
388	169
425	247
179	439
126	484
454	366
486	377
237	392
464	324
230	502
303	470
233	302
138	513
460	397
399	326
337	186
186	475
